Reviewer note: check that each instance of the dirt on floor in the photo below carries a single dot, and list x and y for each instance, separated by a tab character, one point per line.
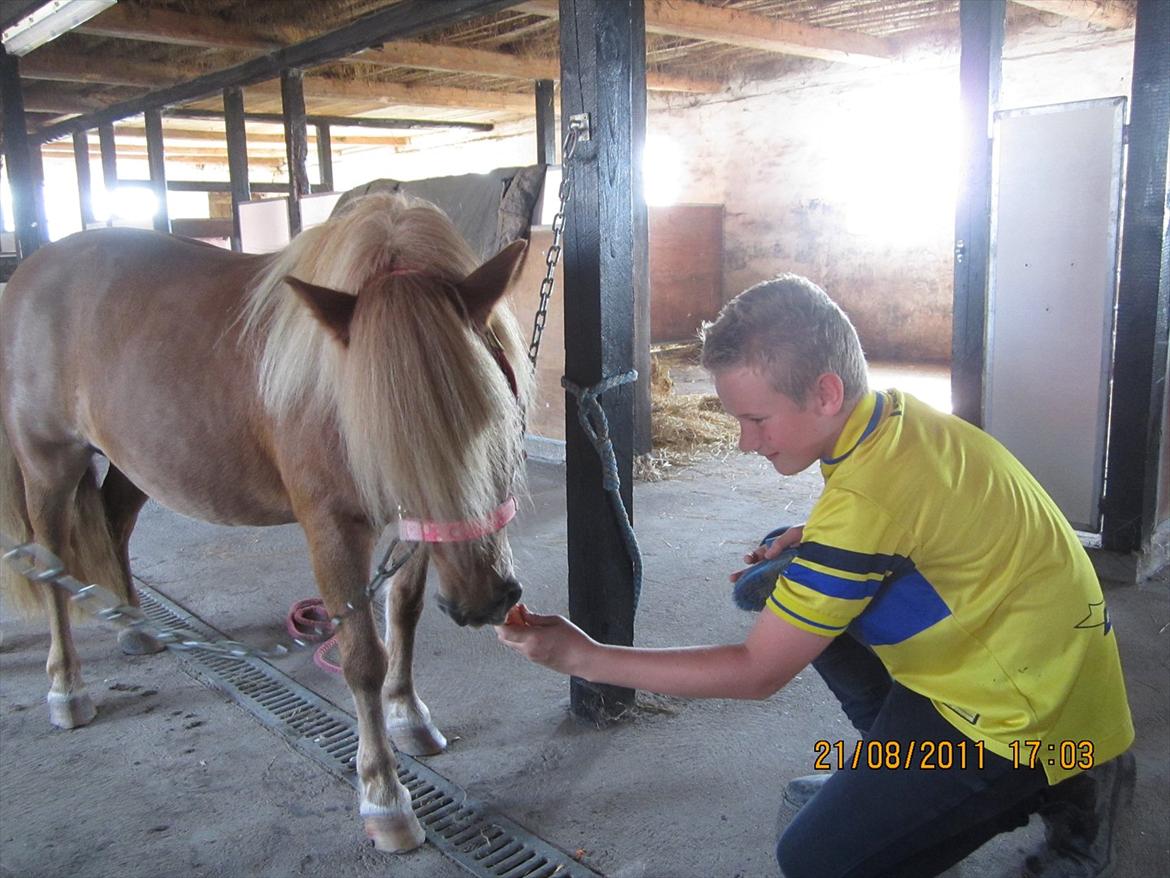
173	779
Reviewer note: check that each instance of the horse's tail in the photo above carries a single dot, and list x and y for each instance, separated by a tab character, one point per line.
91	556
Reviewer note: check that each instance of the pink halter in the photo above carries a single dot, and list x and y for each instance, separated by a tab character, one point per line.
420	531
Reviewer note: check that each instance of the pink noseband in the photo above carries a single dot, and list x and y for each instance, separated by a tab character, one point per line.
420	531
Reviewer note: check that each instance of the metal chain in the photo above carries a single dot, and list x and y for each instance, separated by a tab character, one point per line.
578	130
38	564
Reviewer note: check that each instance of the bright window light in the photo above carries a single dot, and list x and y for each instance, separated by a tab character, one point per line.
131	205
662	169
892	161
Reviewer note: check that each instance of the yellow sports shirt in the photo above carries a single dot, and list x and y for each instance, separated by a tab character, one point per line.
932	544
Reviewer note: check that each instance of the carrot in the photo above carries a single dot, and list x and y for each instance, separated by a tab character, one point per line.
516	615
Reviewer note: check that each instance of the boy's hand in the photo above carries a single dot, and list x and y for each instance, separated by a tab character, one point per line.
552	641
786	540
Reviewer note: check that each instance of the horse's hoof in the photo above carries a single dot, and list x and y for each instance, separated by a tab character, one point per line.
70	710
395	833
417	740
408	724
132	641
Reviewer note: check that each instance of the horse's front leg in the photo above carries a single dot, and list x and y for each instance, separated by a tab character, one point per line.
340	550
408	721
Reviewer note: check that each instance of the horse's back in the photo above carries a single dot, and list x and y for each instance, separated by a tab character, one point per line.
129	341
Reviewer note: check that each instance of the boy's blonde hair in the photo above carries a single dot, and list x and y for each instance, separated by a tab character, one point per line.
791	331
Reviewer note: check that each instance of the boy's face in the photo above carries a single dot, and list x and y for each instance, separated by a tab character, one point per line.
792	437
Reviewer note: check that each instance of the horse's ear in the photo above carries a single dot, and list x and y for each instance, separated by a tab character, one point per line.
481	289
333	309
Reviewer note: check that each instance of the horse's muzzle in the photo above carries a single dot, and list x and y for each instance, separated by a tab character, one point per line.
493	615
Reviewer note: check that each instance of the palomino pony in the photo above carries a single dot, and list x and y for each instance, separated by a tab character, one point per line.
365	373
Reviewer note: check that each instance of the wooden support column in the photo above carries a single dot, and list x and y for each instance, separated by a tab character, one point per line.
109	166
546	123
237	150
1143	304
603	51
325	156
156	161
296	139
28	198
84	189
981	31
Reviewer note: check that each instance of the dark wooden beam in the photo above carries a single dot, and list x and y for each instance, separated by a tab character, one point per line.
237	150
546	123
109	161
325	156
603	55
156	162
981	33
84	188
1137	413
296	139
27	197
336	121
401	19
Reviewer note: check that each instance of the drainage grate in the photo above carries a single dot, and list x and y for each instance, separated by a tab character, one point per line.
464	829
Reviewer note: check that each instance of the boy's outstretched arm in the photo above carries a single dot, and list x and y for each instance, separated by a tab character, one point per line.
773	654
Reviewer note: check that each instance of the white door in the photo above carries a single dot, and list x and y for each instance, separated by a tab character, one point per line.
1056	200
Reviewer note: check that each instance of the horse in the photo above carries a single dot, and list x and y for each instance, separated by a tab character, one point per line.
369	371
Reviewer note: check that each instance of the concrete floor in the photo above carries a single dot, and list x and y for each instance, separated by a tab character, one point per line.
171	779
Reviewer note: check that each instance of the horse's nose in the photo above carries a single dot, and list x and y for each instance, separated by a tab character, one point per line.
512	592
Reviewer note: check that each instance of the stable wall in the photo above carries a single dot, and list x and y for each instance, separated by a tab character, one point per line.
840	174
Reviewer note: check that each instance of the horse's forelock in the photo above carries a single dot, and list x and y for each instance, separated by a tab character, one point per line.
428	419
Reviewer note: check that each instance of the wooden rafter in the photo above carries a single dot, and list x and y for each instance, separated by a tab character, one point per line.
52	64
696	21
459	59
387	94
1110	13
176	28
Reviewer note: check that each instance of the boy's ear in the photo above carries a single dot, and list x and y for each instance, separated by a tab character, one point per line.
829	393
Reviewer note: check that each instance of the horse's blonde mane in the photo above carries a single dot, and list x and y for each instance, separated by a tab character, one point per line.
428	419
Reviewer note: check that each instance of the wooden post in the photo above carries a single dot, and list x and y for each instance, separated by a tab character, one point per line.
981	32
156	161
325	156
546	123
109	166
603	52
237	150
296	140
27	196
1137	414
84	189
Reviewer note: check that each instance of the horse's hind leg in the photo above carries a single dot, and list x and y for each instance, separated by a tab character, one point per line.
408	721
341	556
53	479
123	501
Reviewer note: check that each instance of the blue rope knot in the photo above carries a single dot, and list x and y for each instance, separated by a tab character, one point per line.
591	417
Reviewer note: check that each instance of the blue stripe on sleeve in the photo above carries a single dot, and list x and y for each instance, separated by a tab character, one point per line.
829	585
861	563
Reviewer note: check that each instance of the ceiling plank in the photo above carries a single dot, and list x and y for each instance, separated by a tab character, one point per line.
460	59
400	20
696	21
386	94
176	28
55	65
1110	13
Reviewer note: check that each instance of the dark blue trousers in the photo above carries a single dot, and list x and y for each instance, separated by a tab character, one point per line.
900	821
